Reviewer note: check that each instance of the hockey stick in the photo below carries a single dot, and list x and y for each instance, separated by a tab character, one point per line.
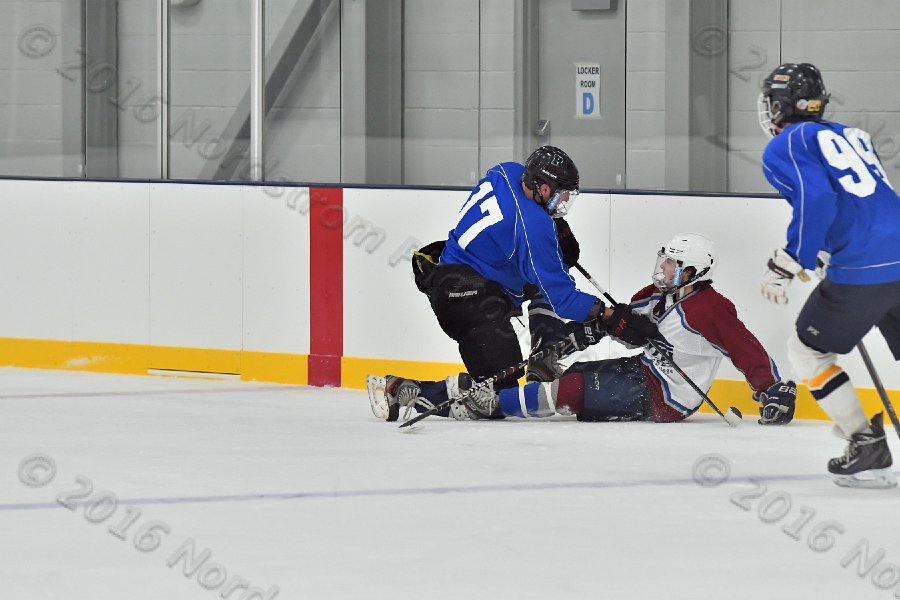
732	417
878	385
487	383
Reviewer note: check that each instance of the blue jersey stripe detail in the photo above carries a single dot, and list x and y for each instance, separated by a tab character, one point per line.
666	392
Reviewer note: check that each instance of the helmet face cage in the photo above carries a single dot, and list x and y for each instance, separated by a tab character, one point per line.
792	92
663	281
551	166
561	203
684	251
764	109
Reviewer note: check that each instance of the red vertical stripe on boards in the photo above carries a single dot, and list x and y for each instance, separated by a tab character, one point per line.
326	282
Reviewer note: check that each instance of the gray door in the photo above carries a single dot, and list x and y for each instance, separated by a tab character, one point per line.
566	38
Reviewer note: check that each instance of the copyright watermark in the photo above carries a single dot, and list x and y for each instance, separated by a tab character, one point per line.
103	507
711	470
779	510
37	470
710	40
37	41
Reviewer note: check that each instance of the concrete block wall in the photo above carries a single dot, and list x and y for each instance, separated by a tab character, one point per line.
497	93
303	129
138	89
645	98
458	85
31	90
753	51
857	46
441	86
209	74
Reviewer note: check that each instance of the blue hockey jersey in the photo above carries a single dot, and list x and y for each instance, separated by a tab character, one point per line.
511	240
841	198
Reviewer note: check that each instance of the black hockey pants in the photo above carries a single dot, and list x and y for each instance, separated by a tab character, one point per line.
473	311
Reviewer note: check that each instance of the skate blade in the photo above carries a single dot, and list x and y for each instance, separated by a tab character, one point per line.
378	401
872	479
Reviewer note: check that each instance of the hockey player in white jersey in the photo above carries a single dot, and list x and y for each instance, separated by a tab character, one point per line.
697	327
842	204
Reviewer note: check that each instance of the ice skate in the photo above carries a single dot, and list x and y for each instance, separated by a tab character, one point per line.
866	461
387	394
481	404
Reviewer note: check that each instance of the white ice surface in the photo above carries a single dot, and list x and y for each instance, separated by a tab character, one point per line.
303	489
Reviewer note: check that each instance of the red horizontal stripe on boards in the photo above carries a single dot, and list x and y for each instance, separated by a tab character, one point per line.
326	281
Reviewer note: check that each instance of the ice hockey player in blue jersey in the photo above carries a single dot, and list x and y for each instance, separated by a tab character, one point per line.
843	205
509	244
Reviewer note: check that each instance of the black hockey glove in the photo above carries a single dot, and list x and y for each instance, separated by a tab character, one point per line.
630	327
571	251
580	336
573	337
777	403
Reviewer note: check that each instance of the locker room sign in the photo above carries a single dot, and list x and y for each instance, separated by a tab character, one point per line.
587	90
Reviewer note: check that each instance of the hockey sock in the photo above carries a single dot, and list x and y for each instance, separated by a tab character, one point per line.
535	399
564	396
435	392
835	394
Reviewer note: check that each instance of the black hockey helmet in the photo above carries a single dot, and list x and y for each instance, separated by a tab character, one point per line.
550	165
792	92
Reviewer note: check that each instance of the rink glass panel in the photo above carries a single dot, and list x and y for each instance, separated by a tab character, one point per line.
413	92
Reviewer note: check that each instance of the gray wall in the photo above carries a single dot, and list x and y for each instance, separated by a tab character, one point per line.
458	67
458	86
858	50
31	91
857	46
303	129
209	75
645	96
138	89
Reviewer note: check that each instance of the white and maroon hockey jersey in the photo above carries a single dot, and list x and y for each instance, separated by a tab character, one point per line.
697	331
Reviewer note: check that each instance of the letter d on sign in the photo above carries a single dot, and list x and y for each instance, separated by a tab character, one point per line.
587	103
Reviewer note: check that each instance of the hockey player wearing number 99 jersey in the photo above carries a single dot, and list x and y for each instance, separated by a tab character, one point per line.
843	204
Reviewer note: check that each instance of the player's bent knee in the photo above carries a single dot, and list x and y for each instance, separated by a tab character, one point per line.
570	394
489	349
808	363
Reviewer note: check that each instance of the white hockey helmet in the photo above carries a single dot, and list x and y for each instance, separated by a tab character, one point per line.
684	250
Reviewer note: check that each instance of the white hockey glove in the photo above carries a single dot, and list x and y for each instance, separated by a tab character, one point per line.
775	281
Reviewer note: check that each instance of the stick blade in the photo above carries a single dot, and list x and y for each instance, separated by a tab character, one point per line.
427	413
414	420
733	417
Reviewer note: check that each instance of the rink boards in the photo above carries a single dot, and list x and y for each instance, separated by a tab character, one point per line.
313	284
